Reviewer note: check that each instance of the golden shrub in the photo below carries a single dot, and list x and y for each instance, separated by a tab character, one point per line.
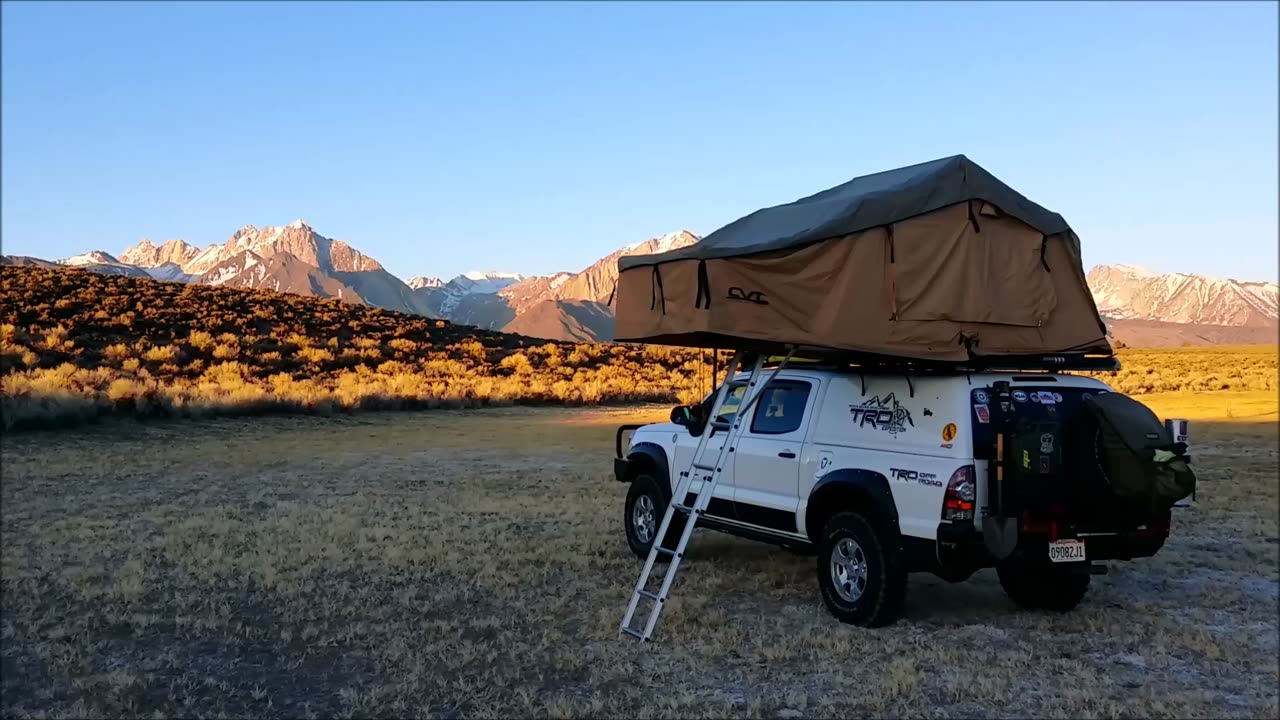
161	354
226	350
200	340
315	354
517	362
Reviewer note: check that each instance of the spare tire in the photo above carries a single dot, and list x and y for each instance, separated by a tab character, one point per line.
1138	465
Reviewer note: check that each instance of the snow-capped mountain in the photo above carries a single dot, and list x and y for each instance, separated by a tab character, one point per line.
102	262
281	272
236	271
563	306
170	271
485	282
1166	308
288	258
297	238
442	300
423	283
1129	292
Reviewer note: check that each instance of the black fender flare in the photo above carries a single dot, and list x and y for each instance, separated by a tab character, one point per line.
847	489
650	456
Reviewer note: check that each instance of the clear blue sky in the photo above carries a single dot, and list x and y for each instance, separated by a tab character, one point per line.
440	138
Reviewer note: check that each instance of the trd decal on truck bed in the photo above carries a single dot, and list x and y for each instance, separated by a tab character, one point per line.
924	478
886	414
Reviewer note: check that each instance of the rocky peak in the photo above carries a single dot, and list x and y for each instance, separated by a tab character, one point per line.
422	282
147	254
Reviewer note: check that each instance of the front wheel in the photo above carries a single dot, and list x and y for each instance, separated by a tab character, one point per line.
860	571
642	514
1043	585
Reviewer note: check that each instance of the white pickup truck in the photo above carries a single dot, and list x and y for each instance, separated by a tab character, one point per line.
881	475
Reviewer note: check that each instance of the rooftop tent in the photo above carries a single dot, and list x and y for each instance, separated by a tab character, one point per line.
938	261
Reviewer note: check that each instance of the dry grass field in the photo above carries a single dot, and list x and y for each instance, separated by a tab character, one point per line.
472	564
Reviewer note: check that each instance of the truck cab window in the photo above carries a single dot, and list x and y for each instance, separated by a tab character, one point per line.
729	409
780	408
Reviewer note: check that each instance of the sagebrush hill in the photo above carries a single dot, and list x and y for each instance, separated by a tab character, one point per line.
76	346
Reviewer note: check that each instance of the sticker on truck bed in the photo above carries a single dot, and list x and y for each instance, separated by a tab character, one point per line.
887	415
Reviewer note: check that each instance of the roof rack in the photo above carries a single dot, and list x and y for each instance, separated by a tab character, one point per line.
1050	363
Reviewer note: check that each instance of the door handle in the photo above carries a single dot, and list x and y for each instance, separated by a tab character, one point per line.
786	454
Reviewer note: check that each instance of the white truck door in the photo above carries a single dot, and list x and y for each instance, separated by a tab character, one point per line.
686	444
766	466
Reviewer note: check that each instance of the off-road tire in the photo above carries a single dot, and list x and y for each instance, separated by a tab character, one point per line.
881	601
1043	586
645	485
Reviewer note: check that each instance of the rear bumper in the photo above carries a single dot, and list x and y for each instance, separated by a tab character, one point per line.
1101	543
963	543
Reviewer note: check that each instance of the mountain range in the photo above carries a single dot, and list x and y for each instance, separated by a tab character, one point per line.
1141	307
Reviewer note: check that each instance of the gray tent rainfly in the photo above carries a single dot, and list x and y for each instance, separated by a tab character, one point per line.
936	261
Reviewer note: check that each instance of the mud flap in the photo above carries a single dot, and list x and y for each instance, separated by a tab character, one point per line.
1000	535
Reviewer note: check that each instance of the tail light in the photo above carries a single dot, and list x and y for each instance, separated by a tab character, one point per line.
957	502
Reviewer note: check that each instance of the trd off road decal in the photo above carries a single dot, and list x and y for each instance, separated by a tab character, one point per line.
924	478
886	415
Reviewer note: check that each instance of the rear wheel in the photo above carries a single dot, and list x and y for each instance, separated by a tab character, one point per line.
642	515
1043	585
860	571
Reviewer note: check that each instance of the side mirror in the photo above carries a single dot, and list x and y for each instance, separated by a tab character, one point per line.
682	415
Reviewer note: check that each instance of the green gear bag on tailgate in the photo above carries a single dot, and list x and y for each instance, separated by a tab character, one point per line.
1138	455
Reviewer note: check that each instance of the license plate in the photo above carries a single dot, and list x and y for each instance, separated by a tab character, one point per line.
1066	550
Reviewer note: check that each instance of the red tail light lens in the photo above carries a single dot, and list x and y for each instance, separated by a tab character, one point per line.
957	502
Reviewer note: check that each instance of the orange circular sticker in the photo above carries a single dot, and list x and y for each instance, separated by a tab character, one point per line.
949	432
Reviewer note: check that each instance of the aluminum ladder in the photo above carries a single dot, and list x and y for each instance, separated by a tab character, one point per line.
733	431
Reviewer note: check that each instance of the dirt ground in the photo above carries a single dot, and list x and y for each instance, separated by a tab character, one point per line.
472	564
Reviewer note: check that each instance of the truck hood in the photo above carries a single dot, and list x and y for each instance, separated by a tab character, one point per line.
665	428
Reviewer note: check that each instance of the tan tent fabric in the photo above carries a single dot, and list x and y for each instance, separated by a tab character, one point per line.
961	281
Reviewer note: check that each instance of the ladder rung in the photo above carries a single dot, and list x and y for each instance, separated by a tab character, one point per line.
633	633
682	508
665	551
719	425
650	595
700	466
